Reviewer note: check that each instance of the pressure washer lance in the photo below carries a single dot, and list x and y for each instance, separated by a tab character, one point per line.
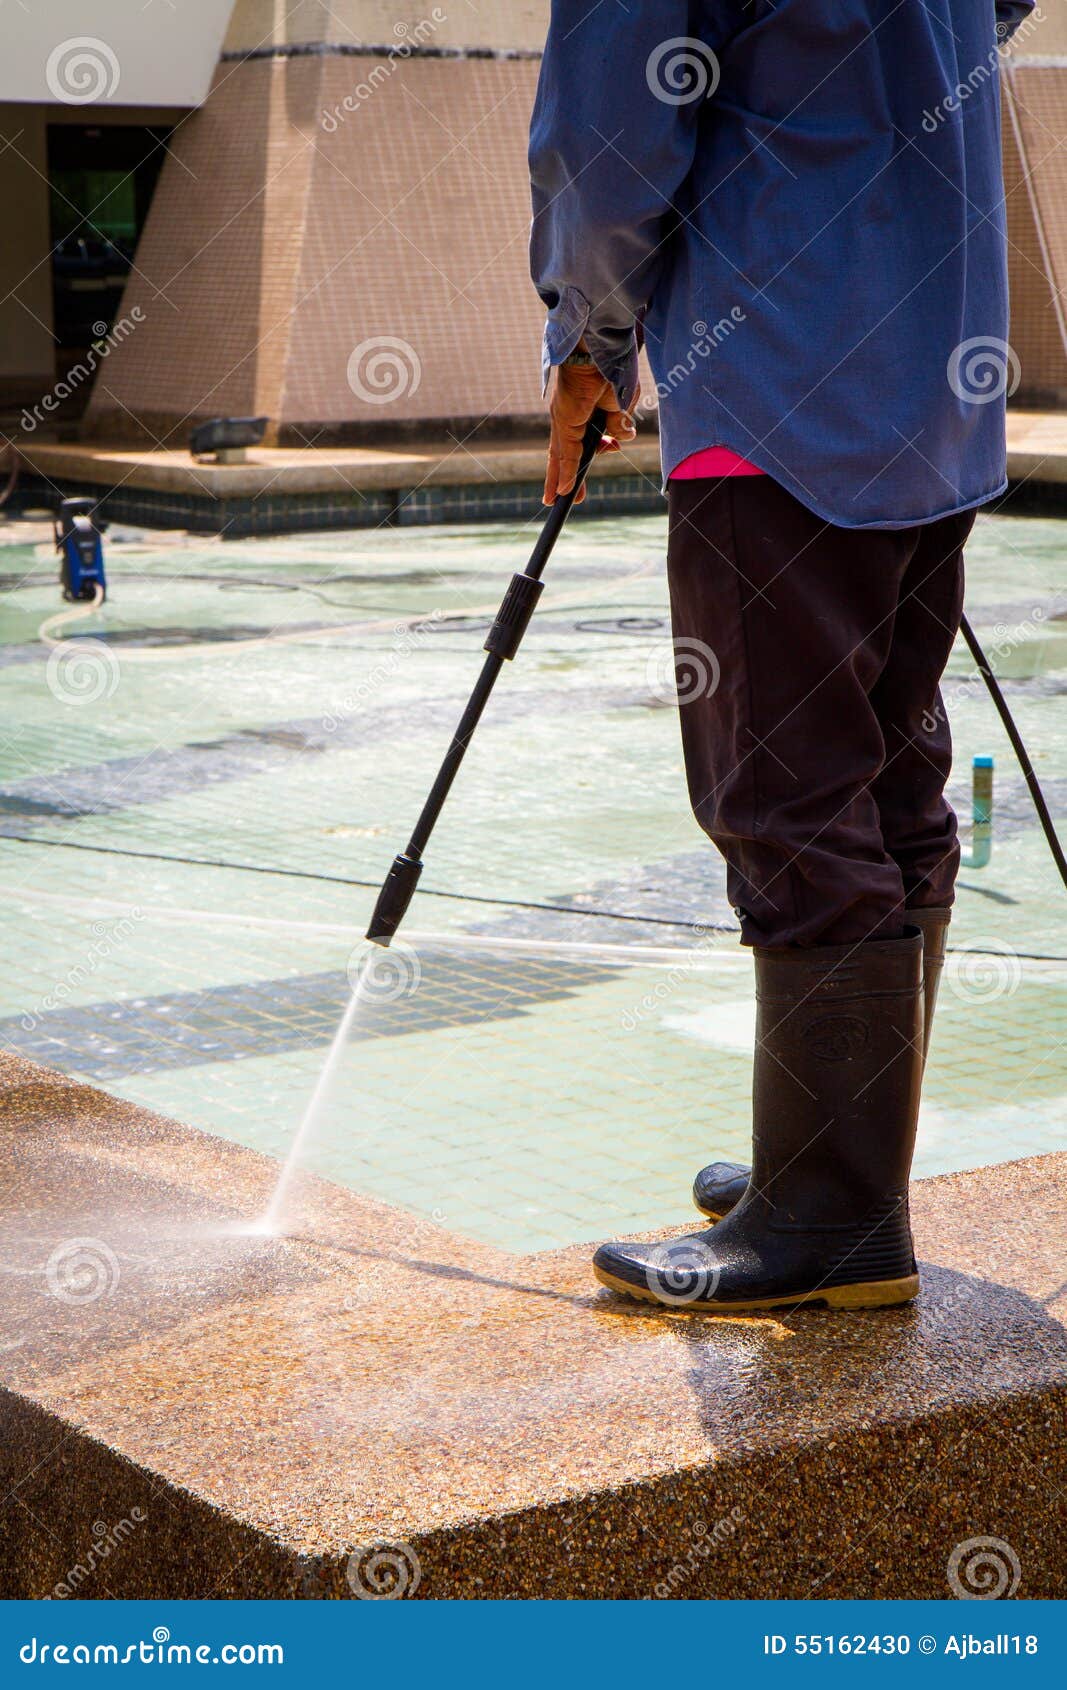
505	636
512	620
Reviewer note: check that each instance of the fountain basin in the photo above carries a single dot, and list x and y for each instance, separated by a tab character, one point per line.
238	1415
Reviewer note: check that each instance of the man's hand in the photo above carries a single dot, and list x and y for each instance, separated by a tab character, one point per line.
578	390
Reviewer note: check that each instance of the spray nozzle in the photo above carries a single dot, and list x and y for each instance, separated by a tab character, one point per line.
398	889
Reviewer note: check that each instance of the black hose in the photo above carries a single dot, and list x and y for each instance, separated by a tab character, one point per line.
700	927
348	880
982	665
542	551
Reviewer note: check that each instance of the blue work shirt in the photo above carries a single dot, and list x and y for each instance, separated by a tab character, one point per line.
805	201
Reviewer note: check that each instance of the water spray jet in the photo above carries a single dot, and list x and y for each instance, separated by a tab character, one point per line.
398	888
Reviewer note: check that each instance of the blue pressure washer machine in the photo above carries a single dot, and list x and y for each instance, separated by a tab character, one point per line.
79	538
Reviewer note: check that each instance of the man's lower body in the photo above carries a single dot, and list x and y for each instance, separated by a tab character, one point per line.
817	751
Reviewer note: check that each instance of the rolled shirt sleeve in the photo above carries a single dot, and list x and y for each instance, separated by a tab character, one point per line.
612	139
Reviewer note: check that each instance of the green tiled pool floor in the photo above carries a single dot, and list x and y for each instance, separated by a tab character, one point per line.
276	709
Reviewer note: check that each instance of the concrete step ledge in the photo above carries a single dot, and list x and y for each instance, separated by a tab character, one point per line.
292	488
188	1411
279	472
1037	447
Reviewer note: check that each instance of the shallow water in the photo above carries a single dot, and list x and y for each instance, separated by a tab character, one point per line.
532	1094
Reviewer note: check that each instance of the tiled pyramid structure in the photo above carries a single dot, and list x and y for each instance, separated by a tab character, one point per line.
1035	158
338	239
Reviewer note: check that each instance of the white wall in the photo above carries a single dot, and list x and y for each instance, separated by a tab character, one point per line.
111	52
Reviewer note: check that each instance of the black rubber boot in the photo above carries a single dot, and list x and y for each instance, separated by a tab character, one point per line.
720	1186
933	925
838	1067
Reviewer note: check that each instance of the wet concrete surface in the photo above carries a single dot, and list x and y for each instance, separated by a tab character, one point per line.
260	1415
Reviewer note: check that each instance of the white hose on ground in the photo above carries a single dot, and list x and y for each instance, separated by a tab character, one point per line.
63	618
393	624
649	955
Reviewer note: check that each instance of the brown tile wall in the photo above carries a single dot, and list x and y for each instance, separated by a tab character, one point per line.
280	240
217	259
1035	135
289	231
417	234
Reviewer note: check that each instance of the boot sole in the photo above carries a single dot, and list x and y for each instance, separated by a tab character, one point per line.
876	1294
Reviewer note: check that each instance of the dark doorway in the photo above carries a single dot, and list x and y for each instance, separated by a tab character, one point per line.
102	178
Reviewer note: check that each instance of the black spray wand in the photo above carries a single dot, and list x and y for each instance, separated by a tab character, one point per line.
512	620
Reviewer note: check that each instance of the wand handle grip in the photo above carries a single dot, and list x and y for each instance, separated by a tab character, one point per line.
561	507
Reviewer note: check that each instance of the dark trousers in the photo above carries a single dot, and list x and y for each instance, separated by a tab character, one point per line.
808	661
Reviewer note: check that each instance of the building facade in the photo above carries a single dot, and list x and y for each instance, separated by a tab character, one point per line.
319	213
